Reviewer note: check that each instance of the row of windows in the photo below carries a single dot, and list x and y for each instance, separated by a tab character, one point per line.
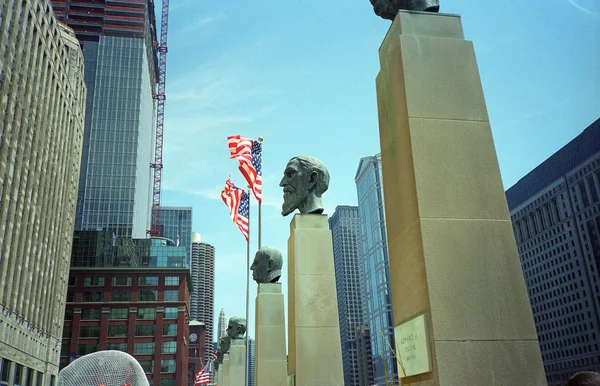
121	330
20	375
125	281
125	296
123	313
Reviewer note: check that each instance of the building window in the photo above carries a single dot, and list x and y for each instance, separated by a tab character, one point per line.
145	330
120	296
92	296
72	281
18	377
93	282
118	313
91	314
167	382
148	296
117	346
64	350
171	296
5	369
169	329
146	313
148	366
171	312
167	366
148	280
117	331
69	314
66	332
121	281
87	348
172	280
39	378
70	297
89	331
146	348
169	347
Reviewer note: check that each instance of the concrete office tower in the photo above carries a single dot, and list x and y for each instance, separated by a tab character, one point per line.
176	224
376	269
555	211
222	327
202	299
251	361
120	74
42	102
345	230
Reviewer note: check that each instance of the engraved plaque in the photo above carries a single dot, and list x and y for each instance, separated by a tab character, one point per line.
412	347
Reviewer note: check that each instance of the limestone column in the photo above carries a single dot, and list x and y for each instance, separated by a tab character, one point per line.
220	375
226	367
271	357
237	362
314	348
452	251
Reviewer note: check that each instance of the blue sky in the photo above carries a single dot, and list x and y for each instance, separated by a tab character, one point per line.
301	73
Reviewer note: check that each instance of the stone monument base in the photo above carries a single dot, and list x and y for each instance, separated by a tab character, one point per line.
237	362
314	348
225	370
271	358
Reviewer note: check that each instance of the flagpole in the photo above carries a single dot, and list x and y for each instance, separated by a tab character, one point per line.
247	288
260	139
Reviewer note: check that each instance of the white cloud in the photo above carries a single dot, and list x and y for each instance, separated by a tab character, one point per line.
581	8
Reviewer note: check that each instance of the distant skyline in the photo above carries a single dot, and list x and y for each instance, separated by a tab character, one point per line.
302	75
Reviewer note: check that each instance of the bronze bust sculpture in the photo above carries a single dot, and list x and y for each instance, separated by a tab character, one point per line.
224	343
304	181
236	328
267	265
388	9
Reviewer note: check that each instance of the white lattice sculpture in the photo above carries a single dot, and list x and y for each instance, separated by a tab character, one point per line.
103	368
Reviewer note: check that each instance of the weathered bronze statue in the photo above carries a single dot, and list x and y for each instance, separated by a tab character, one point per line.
304	181
236	328
267	265
388	9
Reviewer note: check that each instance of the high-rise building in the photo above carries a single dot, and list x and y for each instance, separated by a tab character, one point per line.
120	73
555	211
136	301
222	327
363	346
251	361
42	108
376	269
176	224
345	231
202	301
196	350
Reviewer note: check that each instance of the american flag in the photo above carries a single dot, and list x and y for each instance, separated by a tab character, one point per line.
249	154
215	355
203	377
238	203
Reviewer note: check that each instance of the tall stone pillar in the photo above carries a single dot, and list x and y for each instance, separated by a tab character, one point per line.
271	357
226	366
460	305
237	362
314	348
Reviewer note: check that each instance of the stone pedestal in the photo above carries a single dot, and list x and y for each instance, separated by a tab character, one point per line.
237	362
452	252
226	367
314	349
220	376
270	357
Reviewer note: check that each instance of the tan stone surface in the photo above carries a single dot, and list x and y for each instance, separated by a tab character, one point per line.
451	246
237	362
314	348
270	357
226	379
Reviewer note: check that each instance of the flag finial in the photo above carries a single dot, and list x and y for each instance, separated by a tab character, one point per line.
260	139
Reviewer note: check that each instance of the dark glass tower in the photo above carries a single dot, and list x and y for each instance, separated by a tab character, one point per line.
176	225
120	74
555	211
374	261
345	230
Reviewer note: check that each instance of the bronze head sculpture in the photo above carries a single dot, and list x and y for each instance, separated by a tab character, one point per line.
304	181
388	9
224	343
236	328
267	265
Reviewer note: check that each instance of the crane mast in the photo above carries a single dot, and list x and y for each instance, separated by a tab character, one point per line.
160	97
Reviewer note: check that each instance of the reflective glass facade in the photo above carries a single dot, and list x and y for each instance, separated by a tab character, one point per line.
345	231
115	180
176	224
375	264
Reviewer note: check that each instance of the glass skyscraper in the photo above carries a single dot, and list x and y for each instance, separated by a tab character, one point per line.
345	231
375	264
120	75
176	224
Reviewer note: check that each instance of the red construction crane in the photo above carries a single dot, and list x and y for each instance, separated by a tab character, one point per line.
160	97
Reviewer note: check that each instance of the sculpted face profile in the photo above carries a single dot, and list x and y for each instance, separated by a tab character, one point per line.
236	327
304	181
267	264
388	9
